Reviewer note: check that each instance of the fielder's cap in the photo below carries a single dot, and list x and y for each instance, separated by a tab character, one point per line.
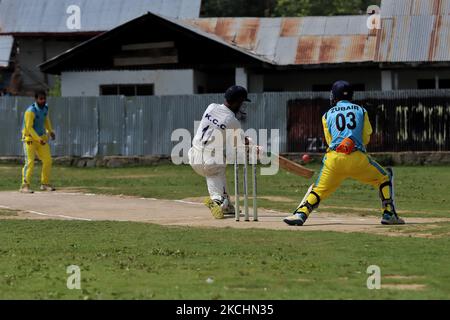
342	90
236	93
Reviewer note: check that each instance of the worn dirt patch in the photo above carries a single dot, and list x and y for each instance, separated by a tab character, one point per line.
278	199
416	212
198	200
74	189
8	213
133	176
274	199
418	231
405	287
399	277
90	207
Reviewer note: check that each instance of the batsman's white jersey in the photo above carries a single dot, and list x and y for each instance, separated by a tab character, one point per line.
215	122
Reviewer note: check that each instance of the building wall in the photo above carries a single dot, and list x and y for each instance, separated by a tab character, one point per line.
213	81
34	51
256	83
177	82
166	82
303	80
5	77
200	82
408	79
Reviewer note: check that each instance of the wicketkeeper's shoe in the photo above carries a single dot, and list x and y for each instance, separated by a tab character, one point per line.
215	208
390	219
25	188
47	187
298	219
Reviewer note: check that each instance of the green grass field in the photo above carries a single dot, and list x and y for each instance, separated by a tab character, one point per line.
121	260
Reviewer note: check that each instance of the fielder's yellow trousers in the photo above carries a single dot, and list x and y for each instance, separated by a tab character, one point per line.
31	150
338	167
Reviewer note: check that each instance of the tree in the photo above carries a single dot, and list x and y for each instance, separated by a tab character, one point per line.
292	8
238	8
284	8
55	91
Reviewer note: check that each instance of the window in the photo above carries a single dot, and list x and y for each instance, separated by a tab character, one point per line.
321	87
423	84
145	90
128	90
359	87
431	84
273	89
444	84
327	87
109	90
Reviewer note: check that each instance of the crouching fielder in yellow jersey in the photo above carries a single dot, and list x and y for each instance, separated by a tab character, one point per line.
35	130
347	131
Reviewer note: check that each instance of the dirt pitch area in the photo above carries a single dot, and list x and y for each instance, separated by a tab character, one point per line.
189	212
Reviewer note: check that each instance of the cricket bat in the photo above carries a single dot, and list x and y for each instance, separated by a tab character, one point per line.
294	167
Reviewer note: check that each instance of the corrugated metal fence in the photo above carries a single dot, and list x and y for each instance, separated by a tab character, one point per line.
101	126
416	120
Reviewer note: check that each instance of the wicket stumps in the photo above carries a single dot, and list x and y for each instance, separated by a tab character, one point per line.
254	156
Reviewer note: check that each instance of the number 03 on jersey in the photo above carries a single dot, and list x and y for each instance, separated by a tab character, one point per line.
347	120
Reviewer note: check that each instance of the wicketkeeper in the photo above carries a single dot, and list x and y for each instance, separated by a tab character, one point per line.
36	130
347	131
203	157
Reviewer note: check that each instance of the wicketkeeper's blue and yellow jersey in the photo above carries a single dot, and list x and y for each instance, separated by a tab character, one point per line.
347	120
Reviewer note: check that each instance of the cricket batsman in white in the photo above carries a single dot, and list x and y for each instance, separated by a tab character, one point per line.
218	121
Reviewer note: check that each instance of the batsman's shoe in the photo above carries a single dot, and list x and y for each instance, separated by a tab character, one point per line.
390	219
25	188
215	208
230	210
298	219
47	187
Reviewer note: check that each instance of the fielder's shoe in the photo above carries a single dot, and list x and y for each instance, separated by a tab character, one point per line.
390	219
298	219
215	208
47	187
25	188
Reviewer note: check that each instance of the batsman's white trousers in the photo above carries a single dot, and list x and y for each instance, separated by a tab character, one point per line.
214	173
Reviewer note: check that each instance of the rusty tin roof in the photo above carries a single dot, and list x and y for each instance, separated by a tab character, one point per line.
293	41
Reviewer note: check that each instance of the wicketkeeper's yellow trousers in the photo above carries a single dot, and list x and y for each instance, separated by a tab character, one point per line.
338	167
31	150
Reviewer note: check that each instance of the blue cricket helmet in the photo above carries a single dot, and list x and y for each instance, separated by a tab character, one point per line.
341	90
